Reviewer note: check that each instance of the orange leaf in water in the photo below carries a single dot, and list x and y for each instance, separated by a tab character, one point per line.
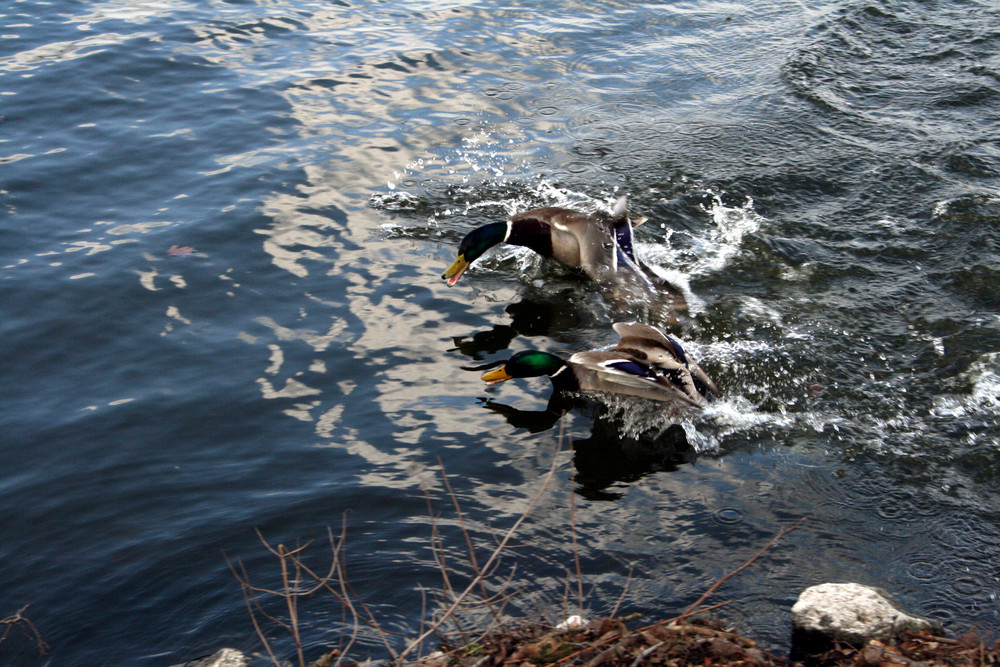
179	250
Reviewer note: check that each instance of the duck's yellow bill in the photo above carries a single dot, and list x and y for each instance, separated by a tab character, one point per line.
455	271
499	375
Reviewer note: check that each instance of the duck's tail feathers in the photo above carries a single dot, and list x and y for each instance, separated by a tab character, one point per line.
704	384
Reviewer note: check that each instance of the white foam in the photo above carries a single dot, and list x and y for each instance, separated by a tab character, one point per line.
709	251
984	399
732	225
675	277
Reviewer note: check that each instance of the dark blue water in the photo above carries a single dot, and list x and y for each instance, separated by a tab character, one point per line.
223	228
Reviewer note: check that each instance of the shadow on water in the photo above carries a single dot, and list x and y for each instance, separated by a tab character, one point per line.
530	317
611	456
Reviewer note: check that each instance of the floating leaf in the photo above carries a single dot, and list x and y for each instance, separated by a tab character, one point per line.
179	250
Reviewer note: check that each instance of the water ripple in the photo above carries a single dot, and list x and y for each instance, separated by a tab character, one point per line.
223	256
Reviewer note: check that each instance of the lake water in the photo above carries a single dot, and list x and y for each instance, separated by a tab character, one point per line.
224	225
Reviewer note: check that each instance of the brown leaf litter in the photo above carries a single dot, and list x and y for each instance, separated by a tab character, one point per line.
701	642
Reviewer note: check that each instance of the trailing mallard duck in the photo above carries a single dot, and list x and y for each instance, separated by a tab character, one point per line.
598	244
645	363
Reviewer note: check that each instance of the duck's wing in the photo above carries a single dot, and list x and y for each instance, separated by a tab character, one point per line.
655	347
585	242
615	372
634	279
644	332
704	384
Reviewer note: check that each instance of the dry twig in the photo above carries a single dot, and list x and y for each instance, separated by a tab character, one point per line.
29	629
576	552
494	557
298	581
497	616
694	608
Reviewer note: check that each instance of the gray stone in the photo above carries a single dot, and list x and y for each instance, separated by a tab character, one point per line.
227	657
853	613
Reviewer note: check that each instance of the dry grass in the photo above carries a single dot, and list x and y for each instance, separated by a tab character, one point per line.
698	642
688	639
457	609
299	582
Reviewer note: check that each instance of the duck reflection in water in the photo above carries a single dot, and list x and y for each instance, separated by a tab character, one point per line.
539	315
612	455
610	458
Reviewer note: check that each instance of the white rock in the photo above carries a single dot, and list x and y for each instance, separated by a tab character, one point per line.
853	613
572	623
227	657
435	659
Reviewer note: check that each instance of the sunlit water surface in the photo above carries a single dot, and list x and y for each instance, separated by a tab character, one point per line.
224	225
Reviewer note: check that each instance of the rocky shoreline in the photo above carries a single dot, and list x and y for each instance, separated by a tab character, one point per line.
834	625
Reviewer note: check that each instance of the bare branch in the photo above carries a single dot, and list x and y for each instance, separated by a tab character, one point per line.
292	599
241	576
621	598
695	608
715	586
372	622
468	540
576	550
489	562
29	629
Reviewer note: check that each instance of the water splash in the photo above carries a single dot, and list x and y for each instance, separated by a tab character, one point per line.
705	251
724	241
483	156
983	376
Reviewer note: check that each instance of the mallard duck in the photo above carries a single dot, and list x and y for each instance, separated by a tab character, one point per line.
599	244
645	363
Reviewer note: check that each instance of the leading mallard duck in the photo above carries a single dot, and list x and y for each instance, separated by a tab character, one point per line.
599	244
645	363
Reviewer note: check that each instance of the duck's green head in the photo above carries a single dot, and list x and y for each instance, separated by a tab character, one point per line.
526	365
475	243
